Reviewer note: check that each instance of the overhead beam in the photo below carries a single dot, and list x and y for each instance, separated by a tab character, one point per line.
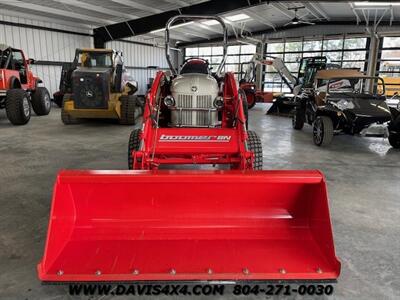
139	6
282	28
179	2
158	21
260	19
54	11
96	8
283	10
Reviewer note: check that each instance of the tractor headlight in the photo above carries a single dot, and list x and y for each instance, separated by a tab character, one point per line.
169	101
344	104
219	102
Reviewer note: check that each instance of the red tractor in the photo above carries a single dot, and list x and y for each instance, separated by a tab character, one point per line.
19	88
207	225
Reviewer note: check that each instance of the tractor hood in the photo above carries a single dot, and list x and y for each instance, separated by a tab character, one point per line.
192	84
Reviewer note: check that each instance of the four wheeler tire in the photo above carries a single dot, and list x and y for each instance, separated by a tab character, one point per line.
41	102
134	144
18	107
298	119
245	106
128	107
394	140
322	131
66	118
255	145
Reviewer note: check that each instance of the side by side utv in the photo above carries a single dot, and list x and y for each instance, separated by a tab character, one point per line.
96	86
20	89
340	103
152	223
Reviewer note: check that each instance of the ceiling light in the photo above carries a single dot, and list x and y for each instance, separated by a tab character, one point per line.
376	3
210	22
238	17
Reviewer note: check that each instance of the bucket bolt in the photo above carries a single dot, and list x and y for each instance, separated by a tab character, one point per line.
135	272
282	271
172	272
319	270
210	271
97	273
60	272
246	271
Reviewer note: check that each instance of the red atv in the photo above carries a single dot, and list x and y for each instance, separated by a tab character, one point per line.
19	88
195	117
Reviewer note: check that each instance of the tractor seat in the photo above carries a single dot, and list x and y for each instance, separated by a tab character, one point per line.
198	66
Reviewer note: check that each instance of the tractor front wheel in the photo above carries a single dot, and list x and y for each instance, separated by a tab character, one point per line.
255	145
128	107
134	145
18	108
298	119
41	102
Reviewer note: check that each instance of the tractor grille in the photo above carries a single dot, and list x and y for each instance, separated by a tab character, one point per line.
193	117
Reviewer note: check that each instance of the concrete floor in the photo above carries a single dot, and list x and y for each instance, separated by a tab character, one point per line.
363	180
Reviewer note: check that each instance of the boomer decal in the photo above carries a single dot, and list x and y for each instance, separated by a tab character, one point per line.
194	138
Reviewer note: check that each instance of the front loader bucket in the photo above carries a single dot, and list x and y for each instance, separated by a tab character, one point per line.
189	225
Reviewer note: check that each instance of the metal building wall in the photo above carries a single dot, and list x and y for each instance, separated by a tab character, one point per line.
44	45
139	57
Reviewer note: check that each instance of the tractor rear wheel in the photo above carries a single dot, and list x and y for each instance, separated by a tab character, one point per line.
255	145
41	102
128	107
18	107
134	145
66	118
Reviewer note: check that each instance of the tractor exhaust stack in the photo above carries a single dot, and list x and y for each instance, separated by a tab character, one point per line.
189	225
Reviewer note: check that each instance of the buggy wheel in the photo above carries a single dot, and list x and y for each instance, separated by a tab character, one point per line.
41	102
66	118
322	131
18	107
128	107
134	145
255	145
394	140
298	119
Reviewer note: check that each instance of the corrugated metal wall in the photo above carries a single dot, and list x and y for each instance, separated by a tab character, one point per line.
50	46
138	57
44	45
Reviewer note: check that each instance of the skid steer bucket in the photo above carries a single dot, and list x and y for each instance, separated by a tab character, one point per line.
189	225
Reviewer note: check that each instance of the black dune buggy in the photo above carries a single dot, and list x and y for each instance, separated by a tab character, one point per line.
340	103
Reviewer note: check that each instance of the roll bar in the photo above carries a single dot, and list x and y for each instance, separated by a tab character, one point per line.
172	20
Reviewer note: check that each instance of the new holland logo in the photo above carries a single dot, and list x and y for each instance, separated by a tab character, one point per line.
195	138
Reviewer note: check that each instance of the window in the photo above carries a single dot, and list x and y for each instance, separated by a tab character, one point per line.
389	64
343	52
237	55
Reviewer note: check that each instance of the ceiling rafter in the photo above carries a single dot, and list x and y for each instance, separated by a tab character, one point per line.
96	8
55	11
139	6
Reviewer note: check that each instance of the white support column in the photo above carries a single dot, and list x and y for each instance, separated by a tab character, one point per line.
372	57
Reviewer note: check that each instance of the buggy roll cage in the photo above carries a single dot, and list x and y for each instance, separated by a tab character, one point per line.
184	18
358	78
